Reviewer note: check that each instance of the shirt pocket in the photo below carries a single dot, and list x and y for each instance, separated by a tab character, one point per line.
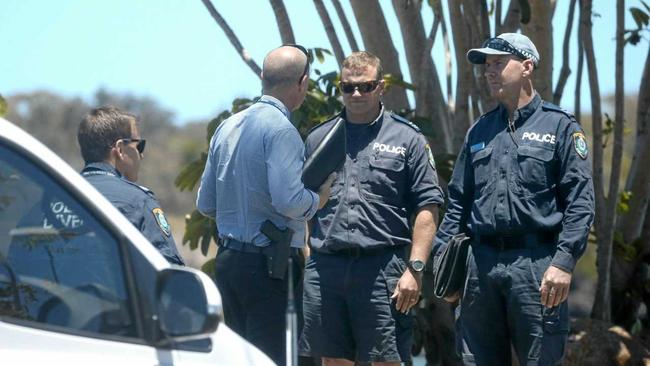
535	167
384	178
481	166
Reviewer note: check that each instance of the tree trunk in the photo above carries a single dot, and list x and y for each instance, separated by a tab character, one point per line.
377	39
233	38
512	22
346	25
565	71
497	17
465	72
540	31
602	304
638	180
331	32
284	23
429	101
445	37
479	25
580	63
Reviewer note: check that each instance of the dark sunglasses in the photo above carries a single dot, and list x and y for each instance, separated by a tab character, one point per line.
140	146
505	46
364	87
307	54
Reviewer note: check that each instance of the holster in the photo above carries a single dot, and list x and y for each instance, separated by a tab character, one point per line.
277	259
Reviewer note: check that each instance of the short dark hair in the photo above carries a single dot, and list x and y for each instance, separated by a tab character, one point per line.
358	61
100	129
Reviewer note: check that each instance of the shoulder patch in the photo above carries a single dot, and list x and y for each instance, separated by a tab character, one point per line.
580	145
161	220
399	118
552	107
432	162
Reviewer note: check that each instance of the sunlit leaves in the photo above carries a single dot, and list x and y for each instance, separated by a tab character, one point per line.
3	106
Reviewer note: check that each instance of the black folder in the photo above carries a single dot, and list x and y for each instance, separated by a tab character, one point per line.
449	272
327	157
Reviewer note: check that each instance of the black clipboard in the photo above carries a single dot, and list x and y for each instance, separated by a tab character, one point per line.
449	272
328	157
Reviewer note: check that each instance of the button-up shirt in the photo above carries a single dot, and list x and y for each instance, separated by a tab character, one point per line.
532	177
253	173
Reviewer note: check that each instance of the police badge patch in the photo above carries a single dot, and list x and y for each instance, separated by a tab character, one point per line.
162	221
580	144
430	156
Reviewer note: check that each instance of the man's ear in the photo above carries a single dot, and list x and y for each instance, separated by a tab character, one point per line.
117	149
529	66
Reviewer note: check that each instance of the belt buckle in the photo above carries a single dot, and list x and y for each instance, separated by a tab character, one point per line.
354	252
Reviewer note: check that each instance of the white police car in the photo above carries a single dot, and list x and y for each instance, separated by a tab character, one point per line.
79	285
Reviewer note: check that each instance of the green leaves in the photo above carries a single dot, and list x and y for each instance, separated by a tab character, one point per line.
199	230
394	80
642	19
624	198
3	106
191	174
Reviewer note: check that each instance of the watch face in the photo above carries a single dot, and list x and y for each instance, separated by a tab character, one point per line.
417	265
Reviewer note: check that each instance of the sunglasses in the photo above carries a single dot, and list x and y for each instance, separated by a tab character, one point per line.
505	46
364	87
140	146
307	54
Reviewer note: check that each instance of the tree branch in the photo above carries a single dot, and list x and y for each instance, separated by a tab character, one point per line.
284	23
330	31
233	38
565	71
346	25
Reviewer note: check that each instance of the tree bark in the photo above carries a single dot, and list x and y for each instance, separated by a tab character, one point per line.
284	23
479	25
540	31
580	63
602	304
346	25
512	22
330	31
233	38
445	37
429	101
565	71
638	181
377	39
497	17
461	34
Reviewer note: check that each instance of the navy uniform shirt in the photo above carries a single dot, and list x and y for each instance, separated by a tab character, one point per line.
389	173
138	204
533	180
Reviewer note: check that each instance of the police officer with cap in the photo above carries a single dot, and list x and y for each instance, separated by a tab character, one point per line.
112	149
522	189
359	284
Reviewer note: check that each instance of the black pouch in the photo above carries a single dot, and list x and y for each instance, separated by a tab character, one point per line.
277	260
449	273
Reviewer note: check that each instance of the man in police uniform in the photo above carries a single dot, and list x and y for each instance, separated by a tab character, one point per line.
522	189
112	150
359	286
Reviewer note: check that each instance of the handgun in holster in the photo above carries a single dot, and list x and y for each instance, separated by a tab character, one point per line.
277	261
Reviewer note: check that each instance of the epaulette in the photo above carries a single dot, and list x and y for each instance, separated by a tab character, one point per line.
142	188
399	118
552	107
334	117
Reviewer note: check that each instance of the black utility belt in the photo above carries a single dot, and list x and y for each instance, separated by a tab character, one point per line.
356	252
521	241
243	247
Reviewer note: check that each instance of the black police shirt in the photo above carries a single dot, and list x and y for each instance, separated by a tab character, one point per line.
534	179
138	204
389	173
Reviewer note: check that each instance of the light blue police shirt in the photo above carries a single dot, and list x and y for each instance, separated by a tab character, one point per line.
253	174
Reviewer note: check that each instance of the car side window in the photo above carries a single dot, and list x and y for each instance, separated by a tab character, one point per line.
59	266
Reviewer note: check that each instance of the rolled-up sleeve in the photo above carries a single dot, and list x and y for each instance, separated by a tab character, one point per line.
206	200
284	152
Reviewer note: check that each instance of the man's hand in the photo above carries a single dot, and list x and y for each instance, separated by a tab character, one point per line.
555	286
324	190
407	291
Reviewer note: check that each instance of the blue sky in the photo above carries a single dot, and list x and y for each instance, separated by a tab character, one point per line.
174	52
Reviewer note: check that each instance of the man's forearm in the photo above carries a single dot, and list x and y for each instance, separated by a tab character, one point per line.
424	230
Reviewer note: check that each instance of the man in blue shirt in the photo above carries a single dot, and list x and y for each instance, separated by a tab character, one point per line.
253	174
522	189
112	149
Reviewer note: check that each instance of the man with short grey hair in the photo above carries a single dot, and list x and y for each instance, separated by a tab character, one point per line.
522	189
253	174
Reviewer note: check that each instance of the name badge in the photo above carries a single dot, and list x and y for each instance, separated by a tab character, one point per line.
477	147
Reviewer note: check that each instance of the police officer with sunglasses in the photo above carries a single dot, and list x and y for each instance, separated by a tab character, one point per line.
360	285
522	189
112	149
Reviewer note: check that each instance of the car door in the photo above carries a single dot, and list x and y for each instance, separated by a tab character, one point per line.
65	293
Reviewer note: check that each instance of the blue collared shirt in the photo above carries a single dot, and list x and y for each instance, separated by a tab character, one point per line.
253	174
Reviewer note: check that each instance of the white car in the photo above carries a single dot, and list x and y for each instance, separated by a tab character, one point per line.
80	285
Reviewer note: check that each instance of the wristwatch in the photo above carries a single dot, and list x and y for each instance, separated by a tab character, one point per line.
416	266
